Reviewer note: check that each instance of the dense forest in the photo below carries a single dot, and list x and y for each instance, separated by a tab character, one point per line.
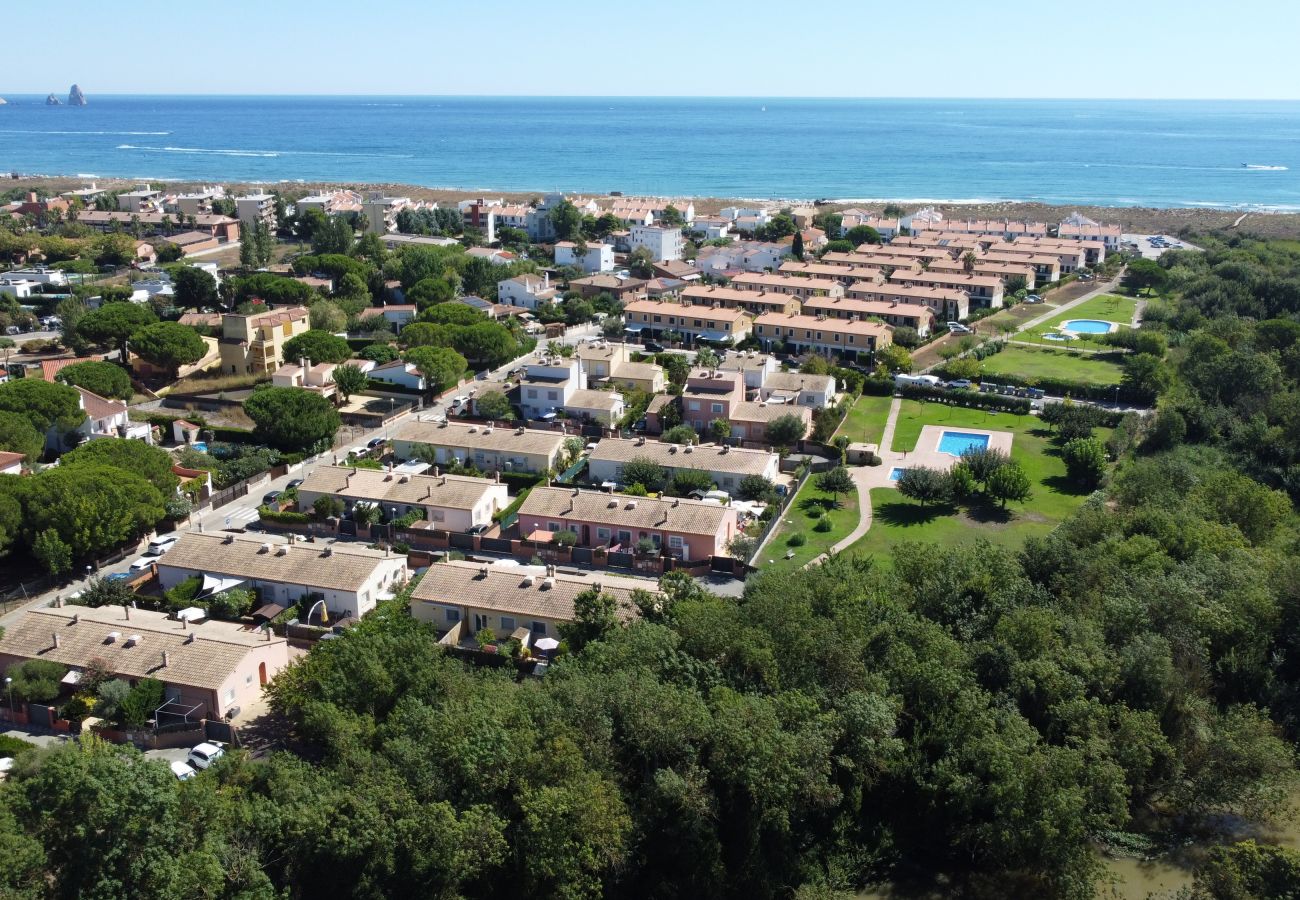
981	720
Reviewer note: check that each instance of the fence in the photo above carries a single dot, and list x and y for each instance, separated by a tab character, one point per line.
774	521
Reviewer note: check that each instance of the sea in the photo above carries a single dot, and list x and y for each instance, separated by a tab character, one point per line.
1215	154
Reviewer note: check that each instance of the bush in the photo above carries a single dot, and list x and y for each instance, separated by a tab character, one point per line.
815	512
824	525
36	680
798	539
564	539
184	593
111	694
139	705
284	517
1018	406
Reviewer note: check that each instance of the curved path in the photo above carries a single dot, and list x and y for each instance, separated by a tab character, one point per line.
866	478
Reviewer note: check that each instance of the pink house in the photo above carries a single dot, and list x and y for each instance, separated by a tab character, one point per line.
685	529
711	394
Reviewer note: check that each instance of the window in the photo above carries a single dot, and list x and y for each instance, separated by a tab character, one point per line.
507	624
532	394
453	616
552	395
675	541
230	696
717	407
602	534
693	405
539	628
552	526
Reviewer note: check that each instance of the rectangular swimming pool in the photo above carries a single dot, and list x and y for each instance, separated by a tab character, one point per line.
896	473
955	443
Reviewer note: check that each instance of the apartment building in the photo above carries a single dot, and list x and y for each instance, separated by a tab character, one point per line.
681	528
755	302
726	466
449	502
891	312
982	290
1004	272
256	208
331	203
381	212
590	258
793	285
749	420
487	447
1078	227
949	306
694	323
254	343
141	200
664	242
848	339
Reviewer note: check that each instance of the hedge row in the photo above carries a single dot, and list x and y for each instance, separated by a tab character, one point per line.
970	399
1063	387
285	517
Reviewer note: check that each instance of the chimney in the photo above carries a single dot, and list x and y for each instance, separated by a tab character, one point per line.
167	659
56	640
127	610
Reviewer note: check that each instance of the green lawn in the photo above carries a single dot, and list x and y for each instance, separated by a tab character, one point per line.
844	518
865	422
1107	307
1027	362
896	520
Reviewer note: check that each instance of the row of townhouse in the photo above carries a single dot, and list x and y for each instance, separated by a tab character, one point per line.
753	301
487	447
713	324
726	466
849	339
223	229
720	393
450	502
891	312
844	274
800	286
983	289
948	305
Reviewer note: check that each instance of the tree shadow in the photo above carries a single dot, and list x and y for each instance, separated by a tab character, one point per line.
904	514
825	504
1063	484
986	512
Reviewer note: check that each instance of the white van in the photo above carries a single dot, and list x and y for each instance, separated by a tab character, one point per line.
917	380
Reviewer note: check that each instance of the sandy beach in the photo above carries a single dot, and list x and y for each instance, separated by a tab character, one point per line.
1135	219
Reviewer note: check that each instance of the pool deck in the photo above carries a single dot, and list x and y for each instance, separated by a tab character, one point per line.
926	453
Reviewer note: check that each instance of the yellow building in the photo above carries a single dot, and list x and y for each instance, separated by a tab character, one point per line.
254	343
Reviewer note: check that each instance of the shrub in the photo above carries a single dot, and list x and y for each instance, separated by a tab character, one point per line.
36	680
139	705
564	539
815	512
184	593
798	539
824	525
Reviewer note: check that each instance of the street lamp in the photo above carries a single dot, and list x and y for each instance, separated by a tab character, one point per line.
9	686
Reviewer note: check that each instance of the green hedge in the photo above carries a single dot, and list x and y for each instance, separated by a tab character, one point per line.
970	399
286	517
513	508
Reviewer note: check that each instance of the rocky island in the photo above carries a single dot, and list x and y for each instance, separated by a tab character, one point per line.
76	97
53	101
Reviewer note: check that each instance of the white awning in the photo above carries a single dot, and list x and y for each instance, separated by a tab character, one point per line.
215	584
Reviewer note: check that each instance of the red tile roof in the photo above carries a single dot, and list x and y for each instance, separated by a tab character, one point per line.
52	367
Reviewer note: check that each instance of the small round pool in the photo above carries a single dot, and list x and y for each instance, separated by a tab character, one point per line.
1088	326
896	473
1054	336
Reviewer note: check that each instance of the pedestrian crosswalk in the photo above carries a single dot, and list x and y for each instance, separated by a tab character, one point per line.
240	514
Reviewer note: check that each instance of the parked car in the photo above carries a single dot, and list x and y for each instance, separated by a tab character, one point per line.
143	563
654	347
961	384
159	546
958	328
182	770
295	483
1033	298
206	754
270	497
481	528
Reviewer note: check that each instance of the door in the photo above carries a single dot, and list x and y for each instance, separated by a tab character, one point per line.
480	622
261	673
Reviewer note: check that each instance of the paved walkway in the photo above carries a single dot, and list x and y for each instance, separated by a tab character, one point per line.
865	478
1064	307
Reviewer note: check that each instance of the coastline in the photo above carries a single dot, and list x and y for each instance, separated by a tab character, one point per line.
1133	219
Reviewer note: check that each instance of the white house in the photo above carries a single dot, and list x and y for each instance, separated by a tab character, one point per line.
349	578
725	465
711	228
11	463
815	391
39	274
742	256
663	243
19	288
104	419
399	372
395	314
605	407
595	258
548	386
450	502
526	291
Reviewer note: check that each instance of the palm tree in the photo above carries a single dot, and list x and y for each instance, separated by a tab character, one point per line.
968	261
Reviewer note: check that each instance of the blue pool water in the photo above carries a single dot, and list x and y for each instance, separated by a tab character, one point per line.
896	473
201	446
1088	326
1056	337
956	443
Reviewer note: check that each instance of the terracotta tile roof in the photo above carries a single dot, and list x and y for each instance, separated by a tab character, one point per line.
657	307
857	307
346	567
522	593
198	318
202	655
98	407
622	511
842	326
52	367
766	412
708	457
446	491
501	440
9	458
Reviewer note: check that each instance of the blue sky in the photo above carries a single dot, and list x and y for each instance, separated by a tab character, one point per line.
762	48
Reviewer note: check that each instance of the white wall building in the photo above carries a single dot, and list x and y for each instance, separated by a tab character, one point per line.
596	258
662	242
526	291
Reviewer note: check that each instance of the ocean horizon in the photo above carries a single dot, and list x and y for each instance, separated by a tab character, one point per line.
1217	154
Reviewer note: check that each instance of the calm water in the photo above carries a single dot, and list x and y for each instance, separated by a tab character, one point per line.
1154	153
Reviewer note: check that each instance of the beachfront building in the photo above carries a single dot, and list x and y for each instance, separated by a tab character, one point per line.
254	343
891	312
654	318
887	228
681	528
1078	227
381	212
208	668
198	203
465	598
255	208
725	465
487	448
223	228
590	258
331	203
141	200
450	502
846	339
663	242
350	578
527	291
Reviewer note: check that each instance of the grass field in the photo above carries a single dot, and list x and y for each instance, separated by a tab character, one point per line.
1107	307
865	422
844	518
896	520
1027	362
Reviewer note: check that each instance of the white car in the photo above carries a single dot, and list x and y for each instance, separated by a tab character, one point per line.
206	754
143	563
6	764
958	328
961	384
159	546
183	771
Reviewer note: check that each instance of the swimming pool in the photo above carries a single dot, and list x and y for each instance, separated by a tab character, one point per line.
896	473
1058	337
955	443
1088	326
200	446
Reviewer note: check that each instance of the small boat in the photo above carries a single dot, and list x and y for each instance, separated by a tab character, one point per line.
1259	168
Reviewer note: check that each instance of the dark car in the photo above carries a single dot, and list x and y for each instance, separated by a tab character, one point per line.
481	528
268	499
295	483
654	347
375	442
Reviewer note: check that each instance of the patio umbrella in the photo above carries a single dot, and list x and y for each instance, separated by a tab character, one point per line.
546	643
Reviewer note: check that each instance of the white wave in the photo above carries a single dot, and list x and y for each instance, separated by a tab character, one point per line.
965	201
1258	168
123	133
262	153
